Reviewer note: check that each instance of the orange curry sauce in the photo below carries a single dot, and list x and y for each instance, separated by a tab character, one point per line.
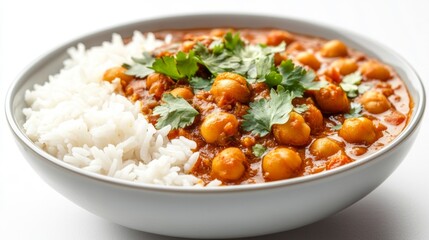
386	107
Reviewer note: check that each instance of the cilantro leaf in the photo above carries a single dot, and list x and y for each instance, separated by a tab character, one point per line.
233	42
350	84
175	111
167	65
259	150
362	88
251	61
257	61
355	111
296	79
264	113
353	78
216	63
145	59
177	67
217	46
139	70
141	67
199	83
301	108
187	64
336	127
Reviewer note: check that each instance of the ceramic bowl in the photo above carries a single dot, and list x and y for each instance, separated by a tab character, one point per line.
222	212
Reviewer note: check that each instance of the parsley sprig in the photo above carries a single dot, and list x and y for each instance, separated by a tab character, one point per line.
174	111
264	113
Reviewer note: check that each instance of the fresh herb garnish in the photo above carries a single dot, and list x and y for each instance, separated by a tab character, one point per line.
296	79
177	67
351	85
273	79
233	42
139	70
199	83
257	61
175	111
231	55
217	62
336	127
362	88
264	113
259	150
301	108
355	111
142	65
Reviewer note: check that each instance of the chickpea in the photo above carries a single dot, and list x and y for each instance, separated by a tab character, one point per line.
293	47
308	59
333	75
230	87
358	130
314	118
157	89
324	147
248	141
187	46
185	93
345	66
294	132
220	32
117	72
157	84
375	70
229	165
155	77
332	99
275	37
374	102
217	126
279	58
334	48
281	163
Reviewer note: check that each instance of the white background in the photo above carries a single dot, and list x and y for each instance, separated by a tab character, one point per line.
30	209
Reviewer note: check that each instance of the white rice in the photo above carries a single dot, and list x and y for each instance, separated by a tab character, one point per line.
78	117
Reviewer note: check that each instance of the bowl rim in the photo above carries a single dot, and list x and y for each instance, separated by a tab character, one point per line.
411	127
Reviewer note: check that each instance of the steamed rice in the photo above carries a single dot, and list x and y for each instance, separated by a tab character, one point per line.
78	117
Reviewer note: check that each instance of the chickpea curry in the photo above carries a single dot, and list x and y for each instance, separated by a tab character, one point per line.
265	104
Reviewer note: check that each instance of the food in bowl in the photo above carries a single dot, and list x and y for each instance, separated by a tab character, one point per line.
290	203
212	107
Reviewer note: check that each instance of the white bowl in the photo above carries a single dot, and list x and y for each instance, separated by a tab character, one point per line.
223	212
